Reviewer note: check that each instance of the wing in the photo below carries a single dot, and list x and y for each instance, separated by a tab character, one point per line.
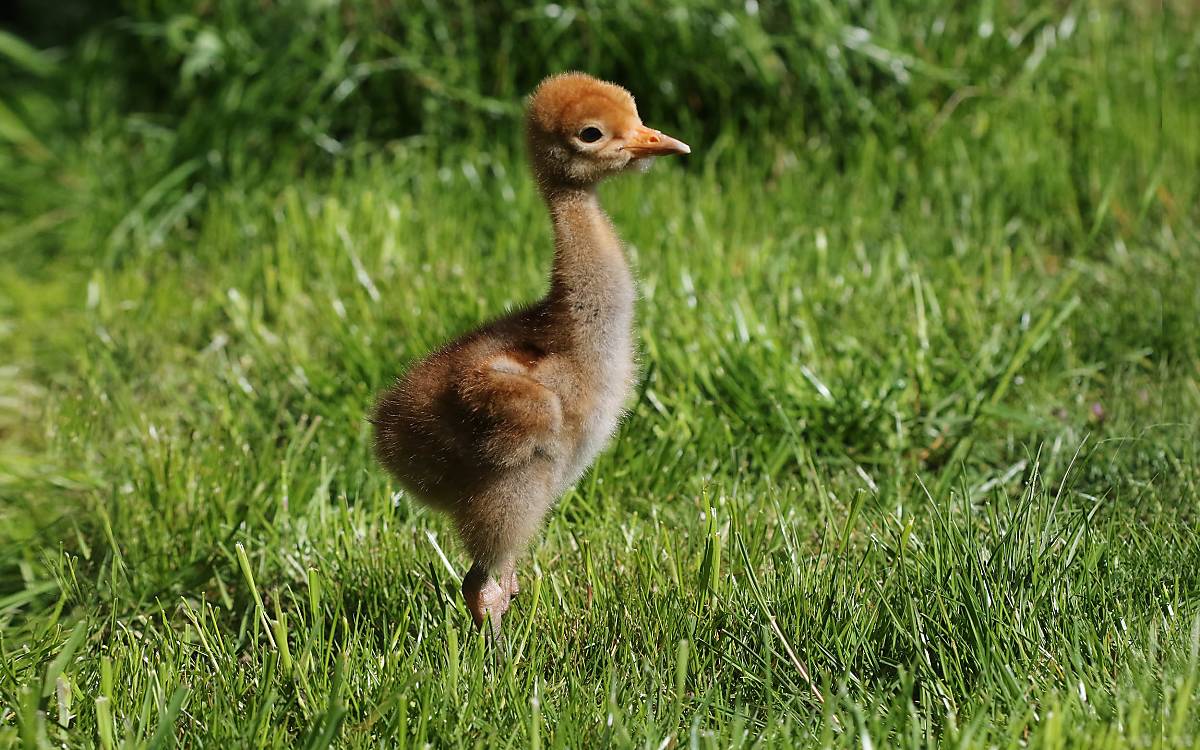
519	416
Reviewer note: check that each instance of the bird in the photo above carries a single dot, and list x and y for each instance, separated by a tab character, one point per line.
494	426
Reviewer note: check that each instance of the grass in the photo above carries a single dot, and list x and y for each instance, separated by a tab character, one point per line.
913	459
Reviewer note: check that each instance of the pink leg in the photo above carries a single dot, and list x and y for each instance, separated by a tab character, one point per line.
508	578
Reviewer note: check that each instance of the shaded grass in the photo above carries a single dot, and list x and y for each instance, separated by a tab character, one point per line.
916	433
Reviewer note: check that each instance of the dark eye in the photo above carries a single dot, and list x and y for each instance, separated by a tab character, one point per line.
590	134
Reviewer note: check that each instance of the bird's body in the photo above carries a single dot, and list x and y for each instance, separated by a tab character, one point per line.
493	427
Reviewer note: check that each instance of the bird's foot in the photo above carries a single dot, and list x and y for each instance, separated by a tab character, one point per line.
486	598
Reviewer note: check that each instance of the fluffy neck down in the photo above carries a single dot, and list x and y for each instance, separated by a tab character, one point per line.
591	290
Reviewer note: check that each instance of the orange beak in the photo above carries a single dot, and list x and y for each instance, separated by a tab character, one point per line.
650	142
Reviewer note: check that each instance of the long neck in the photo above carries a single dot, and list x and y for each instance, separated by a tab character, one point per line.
591	288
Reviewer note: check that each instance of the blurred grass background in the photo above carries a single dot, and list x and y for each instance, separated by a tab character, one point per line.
917	425
200	94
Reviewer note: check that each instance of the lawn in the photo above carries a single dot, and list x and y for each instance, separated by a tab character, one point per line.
914	458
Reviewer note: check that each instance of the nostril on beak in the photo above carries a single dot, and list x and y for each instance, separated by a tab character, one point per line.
650	142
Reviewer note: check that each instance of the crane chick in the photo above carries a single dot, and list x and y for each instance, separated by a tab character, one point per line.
494	426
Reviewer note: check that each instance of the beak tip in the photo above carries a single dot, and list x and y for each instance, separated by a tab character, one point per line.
651	142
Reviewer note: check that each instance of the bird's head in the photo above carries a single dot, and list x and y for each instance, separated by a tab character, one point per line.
581	130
